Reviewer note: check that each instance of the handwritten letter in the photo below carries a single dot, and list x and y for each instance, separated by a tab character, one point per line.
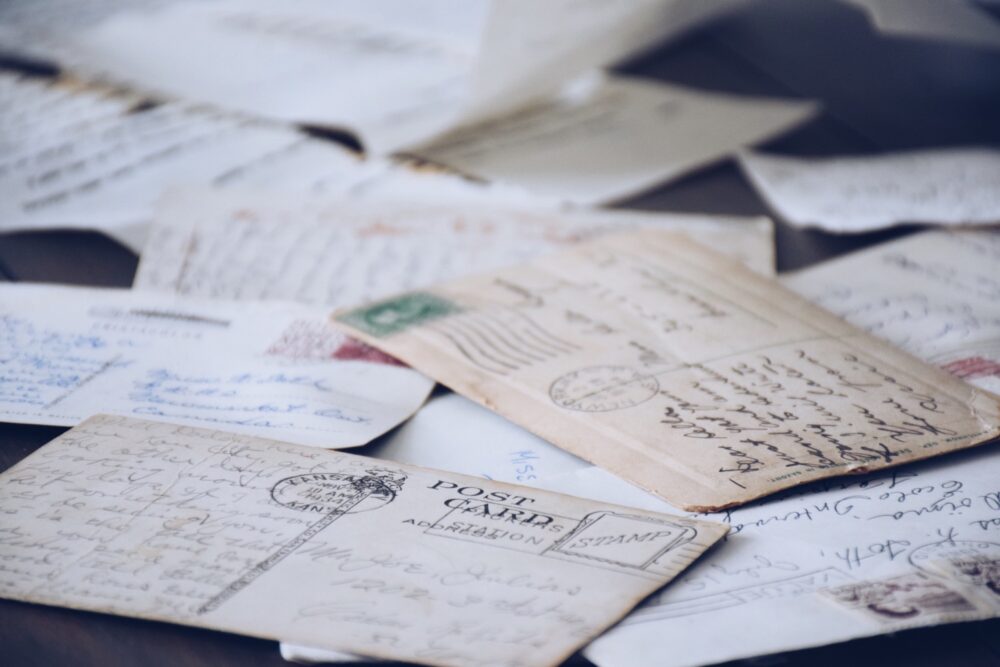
259	368
863	193
934	294
273	540
679	370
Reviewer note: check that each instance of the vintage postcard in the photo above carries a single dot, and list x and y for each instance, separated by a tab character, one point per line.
238	243
273	540
679	370
271	369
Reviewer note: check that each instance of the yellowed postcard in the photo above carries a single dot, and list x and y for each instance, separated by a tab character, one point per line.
269	539
678	370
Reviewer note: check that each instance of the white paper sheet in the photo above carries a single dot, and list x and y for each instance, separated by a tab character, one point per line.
393	72
76	157
81	158
948	186
453	433
269	369
935	294
35	28
244	245
530	49
613	137
769	585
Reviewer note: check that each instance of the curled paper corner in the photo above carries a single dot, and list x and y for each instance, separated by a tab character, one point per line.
980	402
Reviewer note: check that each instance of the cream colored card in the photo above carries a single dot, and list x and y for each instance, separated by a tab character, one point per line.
242	244
274	540
679	370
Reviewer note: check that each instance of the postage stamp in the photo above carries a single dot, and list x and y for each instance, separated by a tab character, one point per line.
902	598
603	389
623	540
392	316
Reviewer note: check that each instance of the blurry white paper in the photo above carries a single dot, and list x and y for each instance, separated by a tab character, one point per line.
396	73
781	580
389	70
242	245
268	539
260	368
530	49
81	158
453	433
935	294
785	578
959	186
613	137
952	20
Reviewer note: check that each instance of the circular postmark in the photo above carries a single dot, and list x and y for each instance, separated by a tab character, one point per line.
930	558
326	492
603	389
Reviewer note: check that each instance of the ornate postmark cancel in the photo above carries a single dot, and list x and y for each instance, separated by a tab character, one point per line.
603	389
326	492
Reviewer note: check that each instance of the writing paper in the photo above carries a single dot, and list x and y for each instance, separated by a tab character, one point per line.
386	70
269	539
935	294
530	49
614	137
780	581
856	194
76	157
783	579
336	252
678	369
394	74
453	433
259	368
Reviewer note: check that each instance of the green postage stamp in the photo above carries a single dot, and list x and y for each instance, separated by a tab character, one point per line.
385	318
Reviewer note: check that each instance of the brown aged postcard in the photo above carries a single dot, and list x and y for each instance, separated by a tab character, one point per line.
679	370
258	537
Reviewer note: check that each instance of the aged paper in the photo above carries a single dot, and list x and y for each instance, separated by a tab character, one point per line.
272	369
935	294
242	245
678	369
856	194
923	538
794	567
269	539
612	137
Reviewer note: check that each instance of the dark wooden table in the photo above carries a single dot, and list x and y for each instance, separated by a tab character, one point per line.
878	94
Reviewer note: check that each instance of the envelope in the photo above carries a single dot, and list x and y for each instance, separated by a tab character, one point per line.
678	369
264	538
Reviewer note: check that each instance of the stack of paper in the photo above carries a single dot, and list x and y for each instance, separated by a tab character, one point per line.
649	365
